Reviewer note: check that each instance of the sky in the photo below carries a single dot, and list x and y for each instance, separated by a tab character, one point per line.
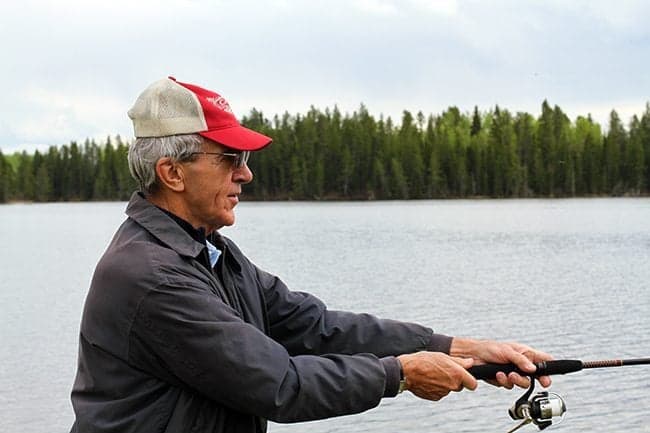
71	69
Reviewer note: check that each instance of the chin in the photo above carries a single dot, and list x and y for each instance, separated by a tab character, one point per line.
228	220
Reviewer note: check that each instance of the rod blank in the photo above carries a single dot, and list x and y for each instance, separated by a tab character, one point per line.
615	363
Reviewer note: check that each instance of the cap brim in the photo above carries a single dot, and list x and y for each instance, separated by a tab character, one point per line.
238	138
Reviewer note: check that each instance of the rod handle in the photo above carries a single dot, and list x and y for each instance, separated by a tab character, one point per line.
544	368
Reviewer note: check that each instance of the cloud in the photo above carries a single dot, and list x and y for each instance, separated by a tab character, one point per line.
442	7
407	7
378	7
621	16
46	116
600	112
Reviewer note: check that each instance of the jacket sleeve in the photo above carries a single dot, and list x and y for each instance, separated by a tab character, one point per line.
190	334
303	325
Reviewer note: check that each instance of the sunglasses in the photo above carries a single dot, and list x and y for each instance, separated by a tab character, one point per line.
239	159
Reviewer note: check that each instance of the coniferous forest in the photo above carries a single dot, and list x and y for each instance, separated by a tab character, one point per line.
329	155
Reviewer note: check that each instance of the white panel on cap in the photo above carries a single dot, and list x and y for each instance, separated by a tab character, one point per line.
167	108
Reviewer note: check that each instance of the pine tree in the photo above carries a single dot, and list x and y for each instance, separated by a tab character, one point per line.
318	189
545	159
410	155
125	184
525	136
504	179
43	189
296	175
75	172
89	169
66	173
399	180
589	138
6	174
382	187
562	157
105	186
434	177
635	158
52	161
614	148
25	177
476	122
644	138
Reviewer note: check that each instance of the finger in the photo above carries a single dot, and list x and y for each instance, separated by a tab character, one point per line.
502	380
541	356
467	380
545	381
535	355
520	381
439	395
522	361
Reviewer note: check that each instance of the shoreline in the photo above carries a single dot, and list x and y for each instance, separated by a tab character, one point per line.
248	198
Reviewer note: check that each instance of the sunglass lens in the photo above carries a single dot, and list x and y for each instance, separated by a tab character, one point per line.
243	158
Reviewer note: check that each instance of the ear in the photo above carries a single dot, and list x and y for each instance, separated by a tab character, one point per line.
170	174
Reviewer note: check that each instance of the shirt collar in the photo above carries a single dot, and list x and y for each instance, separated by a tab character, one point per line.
213	253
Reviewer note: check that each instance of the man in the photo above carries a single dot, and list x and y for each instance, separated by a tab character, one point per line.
181	332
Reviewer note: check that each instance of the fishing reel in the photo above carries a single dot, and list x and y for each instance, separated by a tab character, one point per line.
540	409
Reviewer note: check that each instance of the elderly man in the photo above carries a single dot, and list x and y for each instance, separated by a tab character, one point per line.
181	332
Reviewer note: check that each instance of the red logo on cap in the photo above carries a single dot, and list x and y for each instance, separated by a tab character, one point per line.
219	102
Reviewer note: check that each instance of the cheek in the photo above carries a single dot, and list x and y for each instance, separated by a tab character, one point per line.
210	188
219	197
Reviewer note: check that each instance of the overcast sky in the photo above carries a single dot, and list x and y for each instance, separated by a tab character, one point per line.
72	68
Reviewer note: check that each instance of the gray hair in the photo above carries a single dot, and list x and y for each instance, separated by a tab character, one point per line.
145	152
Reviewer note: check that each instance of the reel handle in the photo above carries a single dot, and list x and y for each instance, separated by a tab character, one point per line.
544	368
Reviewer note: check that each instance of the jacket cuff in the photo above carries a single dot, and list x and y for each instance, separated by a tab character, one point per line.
439	343
391	367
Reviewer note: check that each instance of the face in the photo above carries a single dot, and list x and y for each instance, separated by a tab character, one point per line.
212	188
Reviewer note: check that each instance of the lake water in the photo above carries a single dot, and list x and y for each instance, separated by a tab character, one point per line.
571	277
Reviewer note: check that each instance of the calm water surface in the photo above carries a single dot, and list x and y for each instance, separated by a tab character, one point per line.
568	276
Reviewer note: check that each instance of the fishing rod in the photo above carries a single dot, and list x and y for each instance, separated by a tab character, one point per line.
543	407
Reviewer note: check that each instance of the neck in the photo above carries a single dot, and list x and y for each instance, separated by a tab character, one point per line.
177	207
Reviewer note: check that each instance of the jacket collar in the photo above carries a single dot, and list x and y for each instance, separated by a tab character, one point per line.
162	226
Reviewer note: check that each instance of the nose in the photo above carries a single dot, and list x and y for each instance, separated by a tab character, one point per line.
242	174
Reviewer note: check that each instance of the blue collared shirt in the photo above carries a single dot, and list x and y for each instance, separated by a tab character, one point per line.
213	252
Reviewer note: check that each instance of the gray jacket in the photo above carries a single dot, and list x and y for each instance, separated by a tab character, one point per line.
169	345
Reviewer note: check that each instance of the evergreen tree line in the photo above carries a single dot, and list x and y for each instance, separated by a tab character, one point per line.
494	154
68	173
327	155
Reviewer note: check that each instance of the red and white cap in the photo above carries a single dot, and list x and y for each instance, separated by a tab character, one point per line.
169	107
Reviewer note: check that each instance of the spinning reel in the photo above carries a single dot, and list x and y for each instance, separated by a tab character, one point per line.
540	409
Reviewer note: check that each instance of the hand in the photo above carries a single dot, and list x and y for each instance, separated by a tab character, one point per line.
487	351
433	375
